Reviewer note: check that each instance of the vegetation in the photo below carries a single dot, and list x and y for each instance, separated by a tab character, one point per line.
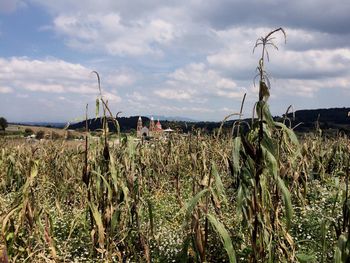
152	194
28	131
39	134
255	194
330	120
3	123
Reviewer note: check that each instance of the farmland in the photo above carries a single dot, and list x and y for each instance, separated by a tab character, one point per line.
151	201
253	194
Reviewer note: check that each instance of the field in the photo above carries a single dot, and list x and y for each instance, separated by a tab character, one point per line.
256	193
16	131
165	200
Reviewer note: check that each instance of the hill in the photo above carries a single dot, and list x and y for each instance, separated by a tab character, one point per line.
58	125
126	124
329	119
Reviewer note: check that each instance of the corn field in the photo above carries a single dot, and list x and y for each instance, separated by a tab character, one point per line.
262	195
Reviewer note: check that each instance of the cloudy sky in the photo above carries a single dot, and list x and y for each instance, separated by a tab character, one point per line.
190	58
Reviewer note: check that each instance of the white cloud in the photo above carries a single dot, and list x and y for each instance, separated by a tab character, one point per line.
111	97
108	33
171	110
311	63
197	81
309	87
174	94
48	76
296	71
313	60
120	79
44	87
228	94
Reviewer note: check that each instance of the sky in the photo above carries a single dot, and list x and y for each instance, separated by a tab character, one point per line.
190	58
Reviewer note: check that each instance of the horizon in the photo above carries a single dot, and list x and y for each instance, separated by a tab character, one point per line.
184	58
177	117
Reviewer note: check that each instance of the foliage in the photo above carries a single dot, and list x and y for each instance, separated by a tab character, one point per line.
3	123
154	183
28	131
259	160
39	134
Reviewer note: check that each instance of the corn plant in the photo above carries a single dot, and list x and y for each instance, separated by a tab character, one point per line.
113	188
26	218
259	160
204	208
342	224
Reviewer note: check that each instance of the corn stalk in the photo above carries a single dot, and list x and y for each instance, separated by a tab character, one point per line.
257	161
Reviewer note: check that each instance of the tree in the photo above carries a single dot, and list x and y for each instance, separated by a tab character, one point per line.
3	123
28	131
39	134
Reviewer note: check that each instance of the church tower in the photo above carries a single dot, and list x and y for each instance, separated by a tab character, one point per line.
158	126
139	127
151	125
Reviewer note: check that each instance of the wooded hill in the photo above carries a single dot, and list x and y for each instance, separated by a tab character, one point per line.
334	119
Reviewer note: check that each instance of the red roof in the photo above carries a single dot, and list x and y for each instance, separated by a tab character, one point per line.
158	126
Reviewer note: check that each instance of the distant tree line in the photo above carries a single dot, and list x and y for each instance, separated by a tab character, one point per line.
305	120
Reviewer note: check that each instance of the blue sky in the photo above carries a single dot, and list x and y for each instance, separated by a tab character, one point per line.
188	58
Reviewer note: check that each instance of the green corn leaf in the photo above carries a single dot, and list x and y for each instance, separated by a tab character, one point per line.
98	220
33	174
269	143
240	198
193	202
224	235
289	132
237	143
109	189
7	218
342	241
305	258
271	160
287	200
151	217
182	256
323	238
114	220
337	255
114	174
131	149
263	111
218	183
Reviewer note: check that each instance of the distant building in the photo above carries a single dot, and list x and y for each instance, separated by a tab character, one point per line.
154	130
144	132
158	127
